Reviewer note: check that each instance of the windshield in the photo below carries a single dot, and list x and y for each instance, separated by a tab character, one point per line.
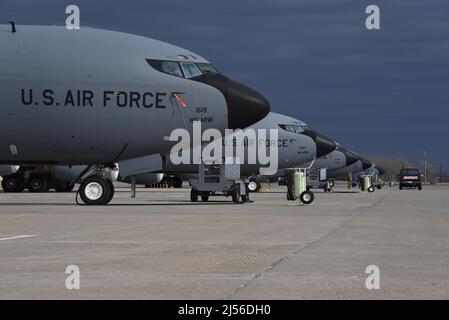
207	68
410	172
171	68
294	128
190	70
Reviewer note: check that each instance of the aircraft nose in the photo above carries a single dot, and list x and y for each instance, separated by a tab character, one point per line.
245	106
324	145
351	157
365	163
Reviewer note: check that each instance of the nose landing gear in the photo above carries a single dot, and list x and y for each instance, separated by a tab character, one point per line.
97	188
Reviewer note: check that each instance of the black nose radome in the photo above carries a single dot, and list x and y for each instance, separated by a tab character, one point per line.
366	163
324	145
351	157
245	106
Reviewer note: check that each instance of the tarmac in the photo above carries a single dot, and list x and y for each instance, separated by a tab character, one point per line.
159	245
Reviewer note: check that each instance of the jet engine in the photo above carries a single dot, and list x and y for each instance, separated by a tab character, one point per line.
6	170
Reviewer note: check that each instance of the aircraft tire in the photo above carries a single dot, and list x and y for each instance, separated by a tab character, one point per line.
194	195
307	197
205	197
96	190
37	183
13	183
111	194
253	185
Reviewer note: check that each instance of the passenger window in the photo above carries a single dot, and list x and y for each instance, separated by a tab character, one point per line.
190	70
172	68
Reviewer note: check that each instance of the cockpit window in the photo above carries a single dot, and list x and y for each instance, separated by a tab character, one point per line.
207	68
293	128
171	67
190	69
182	69
287	127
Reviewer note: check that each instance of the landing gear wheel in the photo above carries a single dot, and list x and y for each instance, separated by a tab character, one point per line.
112	192
371	189
253	185
332	184
307	197
420	187
194	195
37	184
205	197
96	190
13	183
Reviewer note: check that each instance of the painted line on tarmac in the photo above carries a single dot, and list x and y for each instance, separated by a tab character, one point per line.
22	236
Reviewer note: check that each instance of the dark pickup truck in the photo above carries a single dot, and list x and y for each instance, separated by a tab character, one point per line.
410	178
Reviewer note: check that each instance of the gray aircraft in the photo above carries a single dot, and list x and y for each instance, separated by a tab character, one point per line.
337	159
95	97
355	169
298	146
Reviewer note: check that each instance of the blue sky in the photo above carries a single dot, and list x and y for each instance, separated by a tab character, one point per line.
380	93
